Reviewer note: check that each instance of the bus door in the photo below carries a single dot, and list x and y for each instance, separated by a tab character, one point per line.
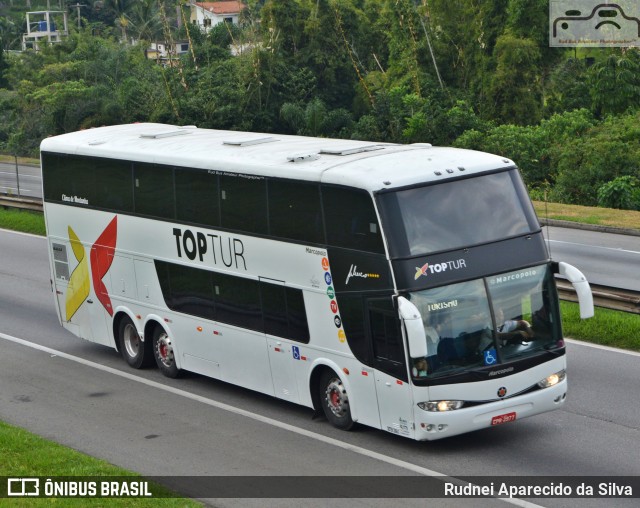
392	386
99	300
281	352
72	287
61	277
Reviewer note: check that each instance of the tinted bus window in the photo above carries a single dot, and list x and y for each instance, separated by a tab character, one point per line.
351	219
153	190
99	183
197	197
298	327
69	179
243	203
274	308
113	183
450	215
294	211
52	176
246	303
191	291
352	319
237	301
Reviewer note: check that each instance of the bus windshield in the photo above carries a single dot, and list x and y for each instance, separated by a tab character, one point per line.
456	213
487	321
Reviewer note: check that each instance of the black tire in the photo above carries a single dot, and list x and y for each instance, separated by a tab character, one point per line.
134	350
164	354
335	401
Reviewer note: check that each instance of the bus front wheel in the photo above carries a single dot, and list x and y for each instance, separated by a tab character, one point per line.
164	353
335	401
134	350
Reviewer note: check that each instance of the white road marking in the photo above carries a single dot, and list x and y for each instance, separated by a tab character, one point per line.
15	190
262	419
591	246
605	348
22	175
21	233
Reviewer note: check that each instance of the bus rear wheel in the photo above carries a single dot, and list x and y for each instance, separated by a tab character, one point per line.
134	350
164	353
335	401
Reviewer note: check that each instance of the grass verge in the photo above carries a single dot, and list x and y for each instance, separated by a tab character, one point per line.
628	219
22	220
10	159
607	327
27	455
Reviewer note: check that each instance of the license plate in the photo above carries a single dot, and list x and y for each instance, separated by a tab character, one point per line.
506	418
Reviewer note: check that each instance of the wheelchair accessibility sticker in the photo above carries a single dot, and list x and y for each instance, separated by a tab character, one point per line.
490	357
594	23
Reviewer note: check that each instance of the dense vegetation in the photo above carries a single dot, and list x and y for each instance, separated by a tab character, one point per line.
472	73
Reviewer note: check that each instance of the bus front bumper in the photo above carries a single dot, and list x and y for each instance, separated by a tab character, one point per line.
439	425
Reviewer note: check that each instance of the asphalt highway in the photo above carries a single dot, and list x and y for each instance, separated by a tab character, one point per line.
605	258
27	183
84	396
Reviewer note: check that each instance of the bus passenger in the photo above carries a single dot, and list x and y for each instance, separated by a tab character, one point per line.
513	331
419	368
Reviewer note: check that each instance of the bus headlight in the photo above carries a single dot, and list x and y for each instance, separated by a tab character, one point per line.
440	405
553	379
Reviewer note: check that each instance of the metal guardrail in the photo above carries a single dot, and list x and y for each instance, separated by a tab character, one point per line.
20	179
606	297
22	203
603	296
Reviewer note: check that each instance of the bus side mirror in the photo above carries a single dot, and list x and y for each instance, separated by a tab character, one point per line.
412	320
580	284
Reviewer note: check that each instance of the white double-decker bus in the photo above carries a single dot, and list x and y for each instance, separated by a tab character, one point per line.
403	287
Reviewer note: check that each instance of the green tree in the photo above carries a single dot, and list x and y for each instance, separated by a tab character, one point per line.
315	119
283	22
615	83
515	94
465	34
9	33
605	152
529	19
3	68
536	149
522	144
144	19
567	87
622	192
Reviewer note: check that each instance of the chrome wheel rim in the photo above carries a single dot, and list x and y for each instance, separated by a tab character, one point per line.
336	398
164	350
131	340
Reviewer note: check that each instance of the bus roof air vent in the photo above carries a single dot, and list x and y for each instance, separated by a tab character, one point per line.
422	145
249	141
167	134
350	150
303	157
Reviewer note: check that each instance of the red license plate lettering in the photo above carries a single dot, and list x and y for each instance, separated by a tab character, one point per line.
506	418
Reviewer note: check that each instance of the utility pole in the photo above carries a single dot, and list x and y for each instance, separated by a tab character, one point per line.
17	175
433	57
77	6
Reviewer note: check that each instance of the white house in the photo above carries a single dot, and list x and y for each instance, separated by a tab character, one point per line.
44	27
209	14
165	53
